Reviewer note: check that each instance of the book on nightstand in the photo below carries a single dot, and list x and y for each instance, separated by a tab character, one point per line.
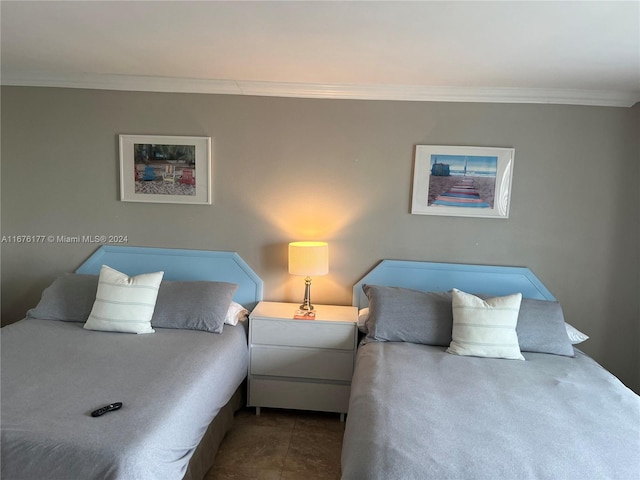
304	315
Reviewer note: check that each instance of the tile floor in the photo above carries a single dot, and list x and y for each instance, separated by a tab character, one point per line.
280	444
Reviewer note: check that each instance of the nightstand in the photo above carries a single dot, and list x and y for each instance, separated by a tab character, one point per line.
301	364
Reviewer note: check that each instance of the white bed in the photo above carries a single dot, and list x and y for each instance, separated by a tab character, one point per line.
179	386
419	412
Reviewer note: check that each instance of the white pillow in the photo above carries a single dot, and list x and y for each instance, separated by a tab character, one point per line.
235	313
575	335
123	303
485	328
363	314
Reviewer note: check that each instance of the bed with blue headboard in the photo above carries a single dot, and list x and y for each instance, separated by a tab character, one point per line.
179	381
471	372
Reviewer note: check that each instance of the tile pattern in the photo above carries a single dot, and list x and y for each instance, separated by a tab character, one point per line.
280	445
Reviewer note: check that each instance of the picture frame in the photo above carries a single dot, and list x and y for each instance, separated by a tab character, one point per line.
462	181
165	169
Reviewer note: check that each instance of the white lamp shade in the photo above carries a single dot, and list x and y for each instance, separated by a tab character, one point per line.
308	259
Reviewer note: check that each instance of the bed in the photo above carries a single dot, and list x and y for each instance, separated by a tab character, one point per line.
419	410
179	383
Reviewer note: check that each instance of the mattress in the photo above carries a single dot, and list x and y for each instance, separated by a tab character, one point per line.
172	383
417	412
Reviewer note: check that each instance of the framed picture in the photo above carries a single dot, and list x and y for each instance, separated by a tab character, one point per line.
165	169
462	181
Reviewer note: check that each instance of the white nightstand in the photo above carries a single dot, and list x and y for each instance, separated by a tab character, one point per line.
301	364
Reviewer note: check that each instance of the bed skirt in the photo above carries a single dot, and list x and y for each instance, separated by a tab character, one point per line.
205	454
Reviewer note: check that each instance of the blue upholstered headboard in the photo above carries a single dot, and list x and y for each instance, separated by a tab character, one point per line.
441	277
180	264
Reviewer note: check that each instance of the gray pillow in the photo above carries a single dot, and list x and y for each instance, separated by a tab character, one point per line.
69	298
541	328
402	315
188	305
193	305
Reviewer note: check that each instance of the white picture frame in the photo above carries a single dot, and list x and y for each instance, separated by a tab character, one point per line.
165	169
462	181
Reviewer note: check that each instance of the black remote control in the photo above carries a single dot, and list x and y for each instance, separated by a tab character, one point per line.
106	408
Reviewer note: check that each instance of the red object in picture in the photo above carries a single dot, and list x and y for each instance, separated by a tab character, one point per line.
304	315
187	176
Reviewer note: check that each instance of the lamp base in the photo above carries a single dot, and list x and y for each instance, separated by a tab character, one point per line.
306	303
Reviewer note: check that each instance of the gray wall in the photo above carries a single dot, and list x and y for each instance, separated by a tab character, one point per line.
340	171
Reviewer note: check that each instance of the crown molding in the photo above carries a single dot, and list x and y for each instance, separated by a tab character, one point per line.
414	93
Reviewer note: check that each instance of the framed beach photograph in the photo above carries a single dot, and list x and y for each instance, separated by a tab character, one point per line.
165	169
462	181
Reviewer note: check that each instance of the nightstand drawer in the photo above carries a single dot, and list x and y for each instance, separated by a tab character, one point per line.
299	395
303	334
302	362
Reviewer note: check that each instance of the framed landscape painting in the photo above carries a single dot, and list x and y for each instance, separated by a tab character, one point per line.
165	169
462	181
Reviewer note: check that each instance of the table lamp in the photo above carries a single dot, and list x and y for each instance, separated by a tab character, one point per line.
308	259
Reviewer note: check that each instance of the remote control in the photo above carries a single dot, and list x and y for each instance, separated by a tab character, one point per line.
106	408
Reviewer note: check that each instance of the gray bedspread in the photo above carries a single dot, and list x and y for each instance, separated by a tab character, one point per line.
417	412
171	383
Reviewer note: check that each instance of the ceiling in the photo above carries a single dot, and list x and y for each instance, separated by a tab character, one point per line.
585	52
